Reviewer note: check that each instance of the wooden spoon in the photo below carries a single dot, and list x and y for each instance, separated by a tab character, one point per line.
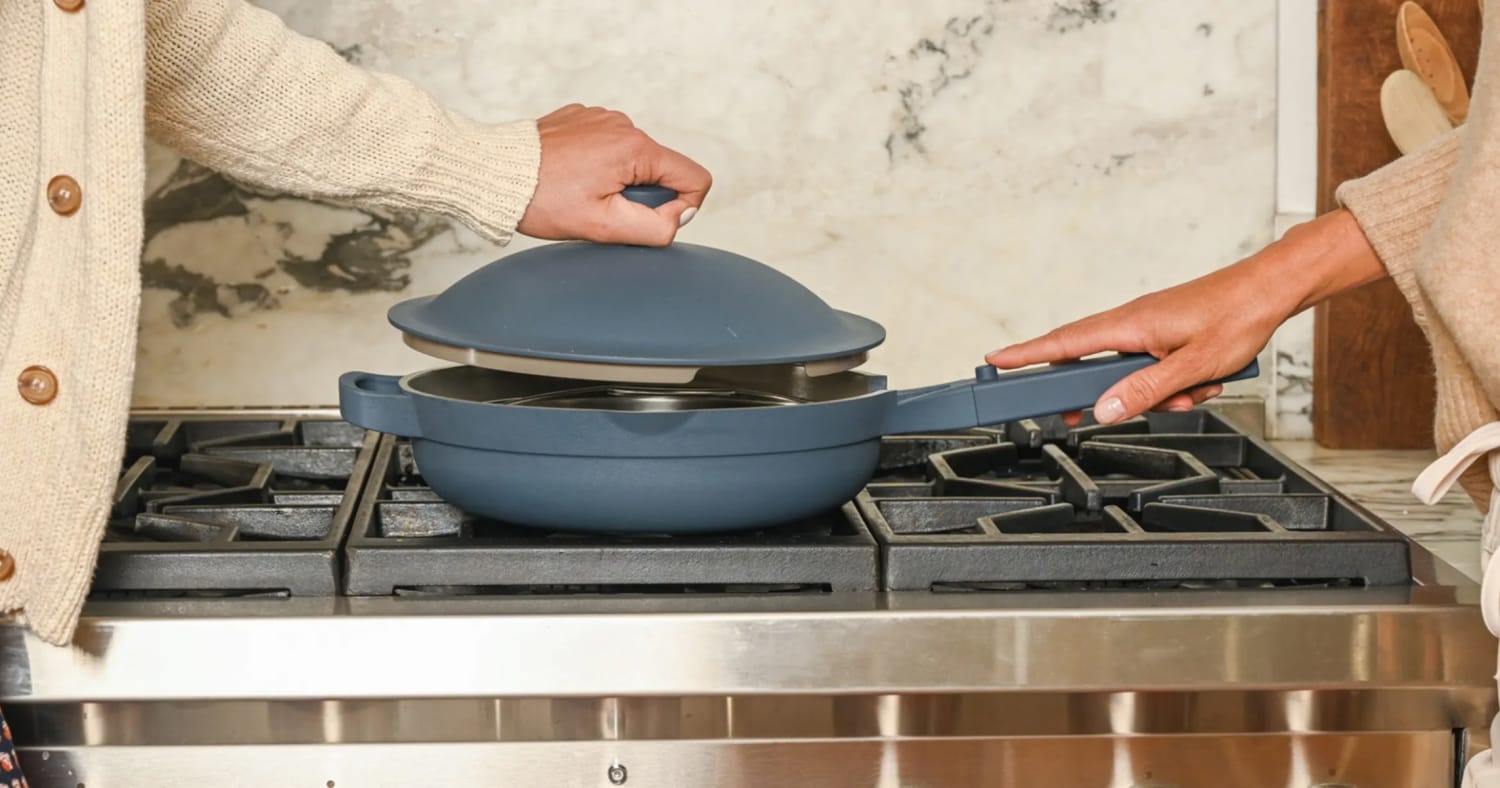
1425	52
1412	113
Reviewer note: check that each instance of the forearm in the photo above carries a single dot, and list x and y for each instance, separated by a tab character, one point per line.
1320	259
231	87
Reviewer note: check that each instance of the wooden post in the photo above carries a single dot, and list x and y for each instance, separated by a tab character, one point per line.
1372	373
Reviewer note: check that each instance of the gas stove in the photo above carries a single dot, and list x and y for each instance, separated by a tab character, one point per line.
223	506
1048	597
1169	501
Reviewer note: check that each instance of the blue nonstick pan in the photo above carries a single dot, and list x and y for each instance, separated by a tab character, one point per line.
681	390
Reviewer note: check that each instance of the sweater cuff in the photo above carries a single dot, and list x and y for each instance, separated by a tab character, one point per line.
1397	204
482	175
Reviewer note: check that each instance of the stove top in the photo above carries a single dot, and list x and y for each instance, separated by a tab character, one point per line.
235	505
232	506
1168	501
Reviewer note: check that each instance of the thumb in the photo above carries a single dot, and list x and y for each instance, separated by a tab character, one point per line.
628	222
679	212
1149	387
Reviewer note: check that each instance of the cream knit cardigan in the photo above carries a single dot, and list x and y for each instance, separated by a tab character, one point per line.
229	86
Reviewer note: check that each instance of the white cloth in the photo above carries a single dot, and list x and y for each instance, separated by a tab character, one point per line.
1483	770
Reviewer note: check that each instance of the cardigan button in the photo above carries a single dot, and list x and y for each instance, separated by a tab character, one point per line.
37	385
7	566
69	5
64	195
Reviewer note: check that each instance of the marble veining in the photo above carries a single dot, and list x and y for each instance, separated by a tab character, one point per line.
1381	482
966	172
929	68
1078	14
1291	399
350	251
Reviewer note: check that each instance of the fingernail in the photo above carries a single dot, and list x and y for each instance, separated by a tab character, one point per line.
1109	411
687	216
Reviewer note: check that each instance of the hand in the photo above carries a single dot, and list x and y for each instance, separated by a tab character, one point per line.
589	155
1213	326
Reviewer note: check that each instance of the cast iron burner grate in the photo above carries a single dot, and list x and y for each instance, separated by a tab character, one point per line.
1172	501
232	506
408	542
1168	501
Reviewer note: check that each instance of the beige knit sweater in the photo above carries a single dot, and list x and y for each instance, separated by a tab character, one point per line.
229	86
1433	216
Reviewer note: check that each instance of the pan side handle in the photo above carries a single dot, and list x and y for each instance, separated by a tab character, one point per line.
377	402
994	398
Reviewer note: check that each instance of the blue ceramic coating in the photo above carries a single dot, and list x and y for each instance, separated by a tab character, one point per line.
694	471
681	495
681	305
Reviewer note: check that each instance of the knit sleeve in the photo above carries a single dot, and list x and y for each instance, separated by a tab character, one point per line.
1398	203
1431	217
231	87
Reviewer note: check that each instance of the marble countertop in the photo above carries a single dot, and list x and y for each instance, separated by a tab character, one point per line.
1381	481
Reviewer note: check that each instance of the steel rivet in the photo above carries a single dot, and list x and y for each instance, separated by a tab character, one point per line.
617	774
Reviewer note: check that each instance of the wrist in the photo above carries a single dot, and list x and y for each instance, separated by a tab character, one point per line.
1317	260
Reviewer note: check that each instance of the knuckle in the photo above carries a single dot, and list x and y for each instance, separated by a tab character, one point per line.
635	141
1058	335
1142	389
1062	340
1198	368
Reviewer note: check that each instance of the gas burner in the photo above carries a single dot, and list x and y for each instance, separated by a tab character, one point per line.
407	542
1178	500
221	506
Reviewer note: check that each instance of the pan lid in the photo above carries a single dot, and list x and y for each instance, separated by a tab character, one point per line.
632	313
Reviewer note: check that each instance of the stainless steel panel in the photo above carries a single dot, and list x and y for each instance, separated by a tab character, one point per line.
1398	760
873	644
743	717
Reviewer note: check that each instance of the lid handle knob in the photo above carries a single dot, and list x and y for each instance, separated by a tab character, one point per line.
651	196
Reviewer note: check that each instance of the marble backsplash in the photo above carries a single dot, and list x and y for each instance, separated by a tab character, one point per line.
966	172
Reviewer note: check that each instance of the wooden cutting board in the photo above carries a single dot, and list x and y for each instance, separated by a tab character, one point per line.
1373	384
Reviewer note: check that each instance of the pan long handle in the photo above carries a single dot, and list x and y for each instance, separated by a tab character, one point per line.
993	397
377	402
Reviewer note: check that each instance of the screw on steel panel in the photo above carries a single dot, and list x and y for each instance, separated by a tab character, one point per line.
617	773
